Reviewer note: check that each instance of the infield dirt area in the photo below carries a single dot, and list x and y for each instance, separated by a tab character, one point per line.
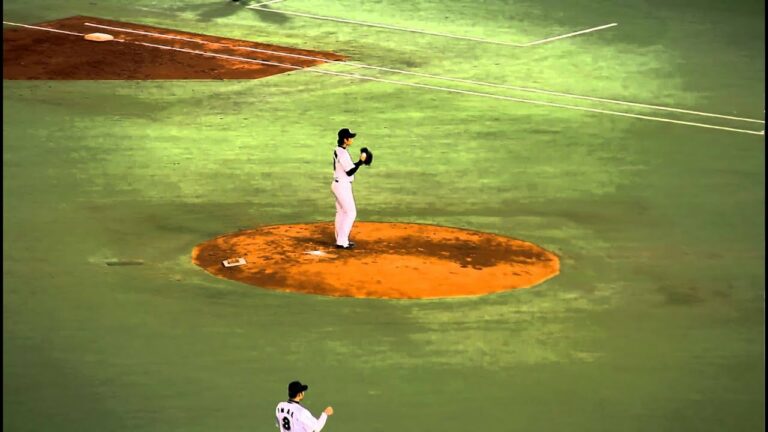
155	54
391	260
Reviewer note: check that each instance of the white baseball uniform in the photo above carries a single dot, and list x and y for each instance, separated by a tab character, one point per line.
292	417
346	212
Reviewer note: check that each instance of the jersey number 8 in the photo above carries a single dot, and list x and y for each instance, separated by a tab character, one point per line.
286	424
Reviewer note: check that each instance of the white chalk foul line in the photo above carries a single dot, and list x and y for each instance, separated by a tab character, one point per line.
425	86
411	30
44	28
386	26
266	3
570	34
465	81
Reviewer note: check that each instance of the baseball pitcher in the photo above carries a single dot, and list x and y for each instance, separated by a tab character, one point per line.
343	175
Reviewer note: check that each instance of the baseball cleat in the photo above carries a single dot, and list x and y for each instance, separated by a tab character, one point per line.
349	246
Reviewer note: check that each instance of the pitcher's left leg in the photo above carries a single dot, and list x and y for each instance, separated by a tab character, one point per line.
350	211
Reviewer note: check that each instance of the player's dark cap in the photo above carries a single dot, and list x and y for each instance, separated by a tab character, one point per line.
295	388
346	133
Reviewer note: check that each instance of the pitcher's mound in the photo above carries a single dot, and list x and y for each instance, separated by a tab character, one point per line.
390	260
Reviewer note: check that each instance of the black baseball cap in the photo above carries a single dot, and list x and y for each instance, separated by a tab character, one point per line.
346	133
295	388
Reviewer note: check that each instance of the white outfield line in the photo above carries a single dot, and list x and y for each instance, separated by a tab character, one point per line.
445	89
466	81
411	30
269	2
44	28
386	26
570	34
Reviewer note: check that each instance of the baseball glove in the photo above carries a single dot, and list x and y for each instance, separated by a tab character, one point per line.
368	156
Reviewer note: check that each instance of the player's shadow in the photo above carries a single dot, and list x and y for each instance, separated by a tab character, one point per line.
222	10
271	17
225	8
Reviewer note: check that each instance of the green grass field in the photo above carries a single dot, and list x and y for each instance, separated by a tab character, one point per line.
656	322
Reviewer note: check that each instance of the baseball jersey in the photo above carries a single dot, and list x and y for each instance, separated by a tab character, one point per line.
292	417
342	162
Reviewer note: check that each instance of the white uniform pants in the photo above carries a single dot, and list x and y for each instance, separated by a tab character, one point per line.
345	211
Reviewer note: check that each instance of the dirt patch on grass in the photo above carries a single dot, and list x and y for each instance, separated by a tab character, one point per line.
156	54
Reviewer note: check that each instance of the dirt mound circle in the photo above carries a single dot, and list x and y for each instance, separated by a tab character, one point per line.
390	260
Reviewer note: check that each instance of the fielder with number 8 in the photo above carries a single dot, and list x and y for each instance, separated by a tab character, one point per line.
292	417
